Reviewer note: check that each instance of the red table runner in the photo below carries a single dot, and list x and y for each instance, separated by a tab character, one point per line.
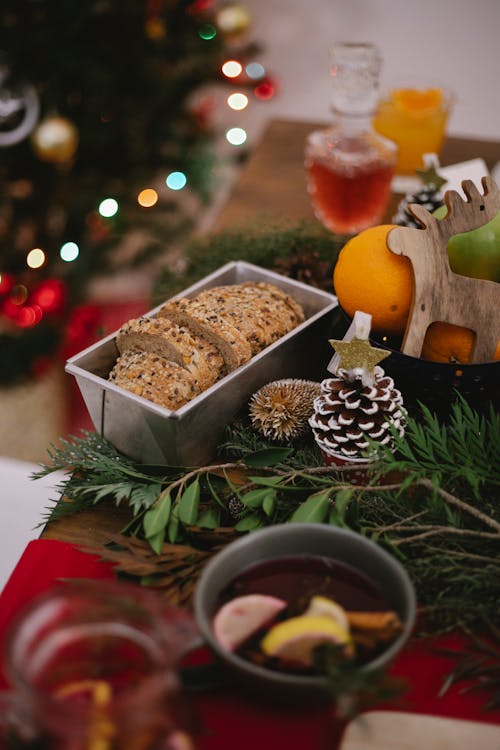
229	719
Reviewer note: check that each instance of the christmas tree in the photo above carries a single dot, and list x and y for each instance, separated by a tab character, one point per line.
101	123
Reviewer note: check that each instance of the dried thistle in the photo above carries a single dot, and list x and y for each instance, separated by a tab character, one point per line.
280	410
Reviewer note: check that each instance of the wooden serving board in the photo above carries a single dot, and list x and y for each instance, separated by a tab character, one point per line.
395	730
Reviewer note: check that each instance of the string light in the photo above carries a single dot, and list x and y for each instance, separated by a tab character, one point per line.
236	136
147	198
176	180
207	32
255	70
265	90
108	207
232	69
35	258
237	101
69	251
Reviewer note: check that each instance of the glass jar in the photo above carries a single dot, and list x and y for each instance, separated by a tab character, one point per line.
349	165
91	665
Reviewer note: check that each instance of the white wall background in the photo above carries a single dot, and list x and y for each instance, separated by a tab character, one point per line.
455	42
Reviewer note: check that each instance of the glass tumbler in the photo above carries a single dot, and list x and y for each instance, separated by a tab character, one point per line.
92	666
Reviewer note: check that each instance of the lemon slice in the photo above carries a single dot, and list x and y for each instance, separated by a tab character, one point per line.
321	605
295	639
418	102
243	616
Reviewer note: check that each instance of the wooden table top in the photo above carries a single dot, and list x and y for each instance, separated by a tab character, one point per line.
272	185
270	188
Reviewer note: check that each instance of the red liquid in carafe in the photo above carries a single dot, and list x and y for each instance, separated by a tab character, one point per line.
348	200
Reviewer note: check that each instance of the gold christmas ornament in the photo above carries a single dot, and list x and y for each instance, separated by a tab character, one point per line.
280	410
55	139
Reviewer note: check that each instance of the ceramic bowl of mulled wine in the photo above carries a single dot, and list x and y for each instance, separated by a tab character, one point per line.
280	558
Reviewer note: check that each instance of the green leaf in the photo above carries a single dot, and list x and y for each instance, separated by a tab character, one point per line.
254	498
269	503
173	525
156	519
189	503
156	541
215	495
314	509
268	457
342	499
249	523
209	519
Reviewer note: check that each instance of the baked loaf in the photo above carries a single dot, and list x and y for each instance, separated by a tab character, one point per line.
193	342
154	377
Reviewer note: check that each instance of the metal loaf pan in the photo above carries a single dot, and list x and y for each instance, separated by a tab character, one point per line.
149	433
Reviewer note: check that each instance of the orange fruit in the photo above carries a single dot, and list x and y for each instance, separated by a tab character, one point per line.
370	278
418	102
445	342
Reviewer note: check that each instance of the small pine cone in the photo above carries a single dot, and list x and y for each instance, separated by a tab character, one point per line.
347	413
235	506
307	267
428	197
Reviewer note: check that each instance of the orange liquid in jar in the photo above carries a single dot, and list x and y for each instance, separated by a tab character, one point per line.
415	120
349	198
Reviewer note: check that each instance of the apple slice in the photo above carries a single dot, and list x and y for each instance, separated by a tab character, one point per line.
241	617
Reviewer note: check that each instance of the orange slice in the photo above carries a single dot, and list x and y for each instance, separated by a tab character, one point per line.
241	617
294	640
418	102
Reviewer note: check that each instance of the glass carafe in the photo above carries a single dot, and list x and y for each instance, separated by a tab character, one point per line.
349	166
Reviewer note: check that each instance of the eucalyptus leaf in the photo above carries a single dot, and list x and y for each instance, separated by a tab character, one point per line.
342	499
213	492
314	509
269	503
189	503
249	523
156	541
173	525
209	519
254	498
156	519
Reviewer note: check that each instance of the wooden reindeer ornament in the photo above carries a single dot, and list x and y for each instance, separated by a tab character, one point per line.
439	294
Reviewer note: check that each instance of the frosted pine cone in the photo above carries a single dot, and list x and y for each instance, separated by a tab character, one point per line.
347	414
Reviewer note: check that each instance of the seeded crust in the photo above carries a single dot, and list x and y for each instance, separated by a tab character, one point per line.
261	317
204	322
155	378
165	338
278	294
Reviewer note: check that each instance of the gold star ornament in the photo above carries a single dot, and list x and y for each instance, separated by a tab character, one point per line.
359	354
